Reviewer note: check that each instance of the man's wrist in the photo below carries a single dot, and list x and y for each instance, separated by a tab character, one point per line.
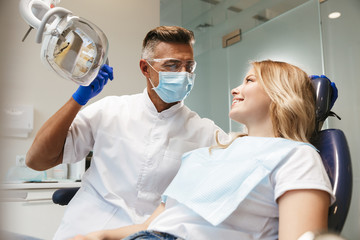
79	99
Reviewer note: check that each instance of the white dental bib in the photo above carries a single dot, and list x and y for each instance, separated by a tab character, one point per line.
213	185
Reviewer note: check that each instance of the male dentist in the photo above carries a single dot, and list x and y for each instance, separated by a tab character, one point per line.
137	140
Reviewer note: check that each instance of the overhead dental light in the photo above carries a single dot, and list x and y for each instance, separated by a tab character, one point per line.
71	46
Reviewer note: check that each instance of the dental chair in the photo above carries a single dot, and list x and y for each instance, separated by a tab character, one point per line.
334	152
333	149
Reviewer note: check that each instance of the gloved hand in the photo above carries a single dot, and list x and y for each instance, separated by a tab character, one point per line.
334	94
84	93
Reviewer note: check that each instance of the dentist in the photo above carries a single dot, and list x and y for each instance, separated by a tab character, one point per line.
137	140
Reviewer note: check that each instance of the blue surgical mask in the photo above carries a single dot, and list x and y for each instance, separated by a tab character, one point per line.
174	86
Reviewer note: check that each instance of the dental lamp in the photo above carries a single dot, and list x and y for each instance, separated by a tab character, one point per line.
72	46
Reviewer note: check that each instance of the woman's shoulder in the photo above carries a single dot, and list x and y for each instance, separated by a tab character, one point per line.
302	169
307	149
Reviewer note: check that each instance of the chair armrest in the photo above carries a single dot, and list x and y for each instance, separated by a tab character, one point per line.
64	195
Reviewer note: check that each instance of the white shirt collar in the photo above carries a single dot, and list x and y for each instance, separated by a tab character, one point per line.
164	114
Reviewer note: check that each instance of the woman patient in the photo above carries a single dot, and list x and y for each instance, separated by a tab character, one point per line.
268	183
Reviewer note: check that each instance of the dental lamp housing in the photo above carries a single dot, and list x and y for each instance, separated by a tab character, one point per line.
73	47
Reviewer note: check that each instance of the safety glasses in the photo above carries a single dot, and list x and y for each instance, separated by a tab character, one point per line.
174	65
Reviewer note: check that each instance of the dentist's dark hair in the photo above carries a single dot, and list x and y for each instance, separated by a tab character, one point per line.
168	34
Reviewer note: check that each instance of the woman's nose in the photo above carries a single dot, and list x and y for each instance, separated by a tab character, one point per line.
235	91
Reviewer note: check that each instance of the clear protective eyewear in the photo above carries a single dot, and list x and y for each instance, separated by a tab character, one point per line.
174	65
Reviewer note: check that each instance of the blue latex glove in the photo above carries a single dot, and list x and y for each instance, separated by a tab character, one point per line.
84	93
334	93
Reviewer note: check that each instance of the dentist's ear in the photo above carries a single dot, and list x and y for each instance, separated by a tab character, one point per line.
144	67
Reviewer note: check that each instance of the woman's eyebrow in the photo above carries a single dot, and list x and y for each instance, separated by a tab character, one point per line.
247	76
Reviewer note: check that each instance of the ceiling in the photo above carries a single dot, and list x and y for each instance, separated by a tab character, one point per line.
193	10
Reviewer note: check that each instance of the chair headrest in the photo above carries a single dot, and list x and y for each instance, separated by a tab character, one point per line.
323	96
326	94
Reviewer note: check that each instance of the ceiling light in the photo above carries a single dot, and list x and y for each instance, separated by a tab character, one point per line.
334	15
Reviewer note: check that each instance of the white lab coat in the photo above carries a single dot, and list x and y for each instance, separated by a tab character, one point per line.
136	153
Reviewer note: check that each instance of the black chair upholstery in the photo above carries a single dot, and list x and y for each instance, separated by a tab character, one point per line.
64	195
335	154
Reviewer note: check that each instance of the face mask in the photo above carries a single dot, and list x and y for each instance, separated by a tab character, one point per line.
174	86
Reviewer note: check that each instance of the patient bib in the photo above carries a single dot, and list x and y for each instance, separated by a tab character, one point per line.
213	185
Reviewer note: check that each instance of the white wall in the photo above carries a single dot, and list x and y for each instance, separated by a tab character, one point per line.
26	81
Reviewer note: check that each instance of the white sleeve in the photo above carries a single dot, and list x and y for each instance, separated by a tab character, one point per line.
80	138
302	170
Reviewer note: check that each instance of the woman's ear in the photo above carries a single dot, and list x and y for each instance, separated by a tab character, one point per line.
144	67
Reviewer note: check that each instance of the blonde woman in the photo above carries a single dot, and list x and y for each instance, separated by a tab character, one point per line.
268	183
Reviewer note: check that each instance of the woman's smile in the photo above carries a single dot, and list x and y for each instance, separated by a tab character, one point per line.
236	100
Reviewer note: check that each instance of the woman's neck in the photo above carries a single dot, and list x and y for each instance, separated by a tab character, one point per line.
263	129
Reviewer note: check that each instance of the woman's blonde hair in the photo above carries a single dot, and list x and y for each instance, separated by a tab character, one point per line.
293	100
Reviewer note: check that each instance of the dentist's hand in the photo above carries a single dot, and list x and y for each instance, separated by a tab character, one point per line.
99	235
81	237
84	94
